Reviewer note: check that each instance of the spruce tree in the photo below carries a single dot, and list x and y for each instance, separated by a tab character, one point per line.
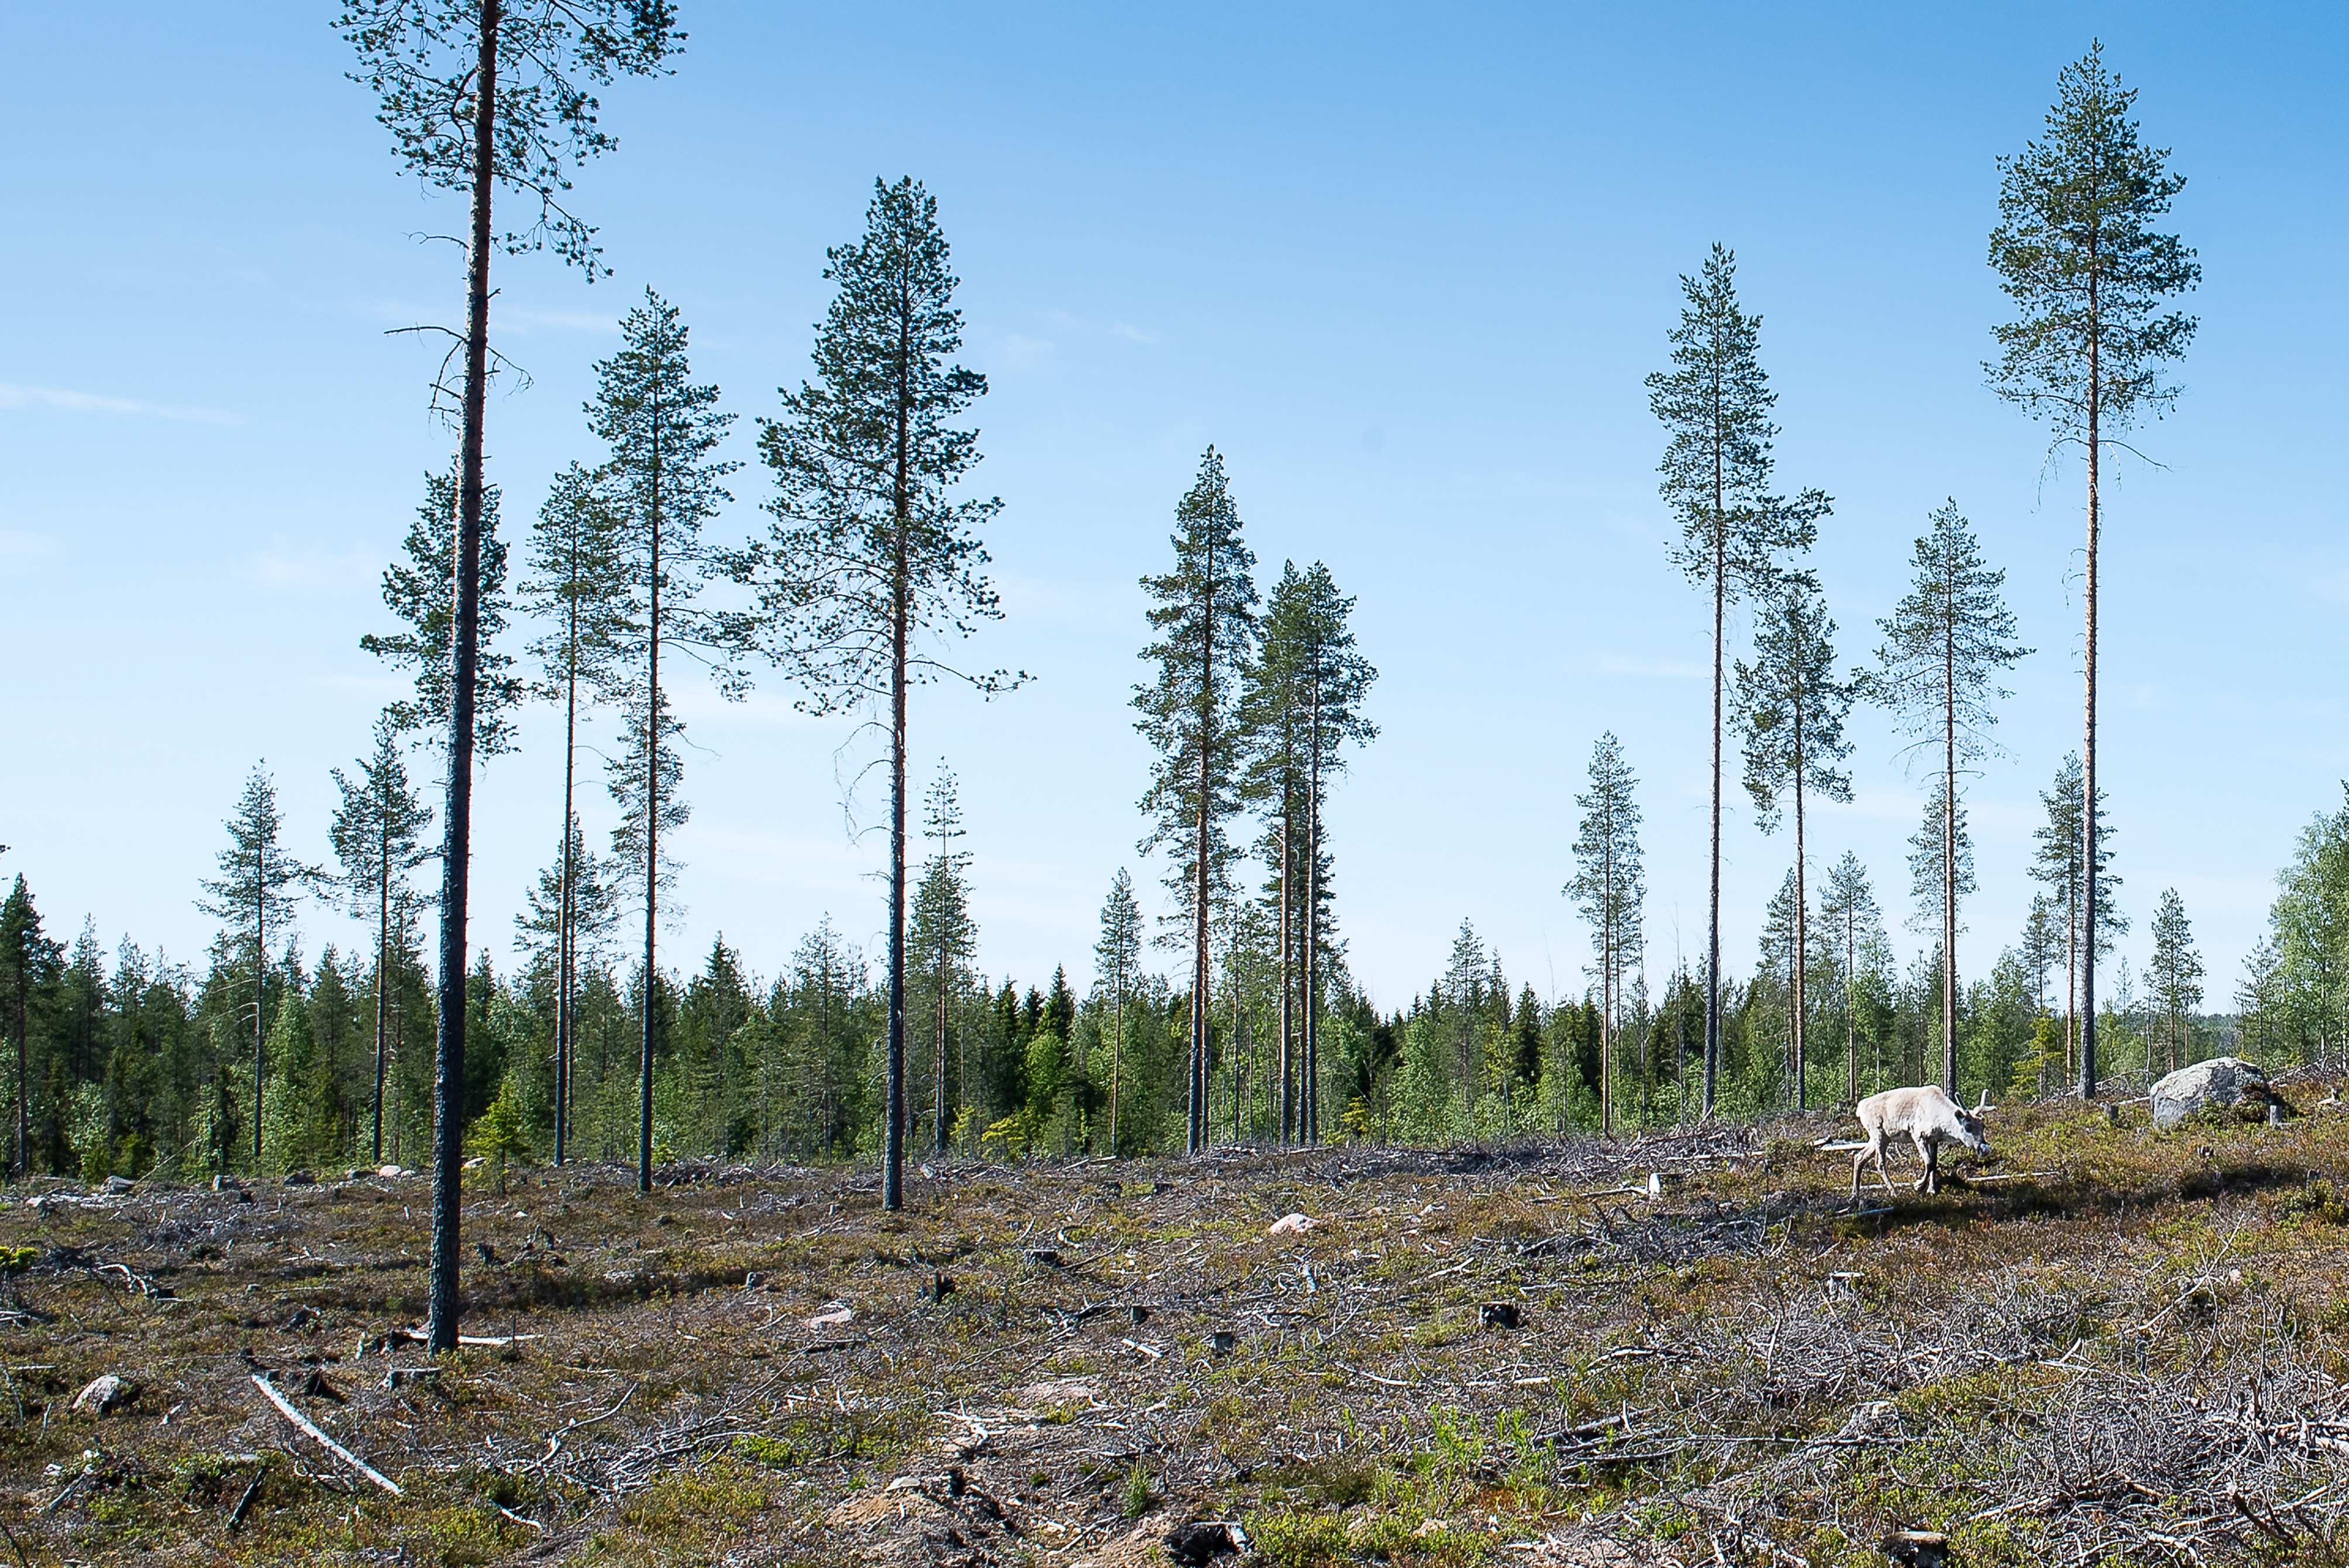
420	589
2056	862
1791	709
943	933
1940	878
659	483
1715	402
255	892
2076	250
575	579
30	964
1848	909
378	835
1944	645
1610	892
1117	962
566	921
2174	974
481	94
1205	617
874	558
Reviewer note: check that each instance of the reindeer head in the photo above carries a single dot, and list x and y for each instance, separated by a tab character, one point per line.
1970	1124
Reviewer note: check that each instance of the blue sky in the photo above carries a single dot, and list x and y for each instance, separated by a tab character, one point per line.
1407	267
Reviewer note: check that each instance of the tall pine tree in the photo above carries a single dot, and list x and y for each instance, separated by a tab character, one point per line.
875	557
2076	250
1715	403
576	580
659	484
1204	613
480	95
1944	645
1791	709
1300	706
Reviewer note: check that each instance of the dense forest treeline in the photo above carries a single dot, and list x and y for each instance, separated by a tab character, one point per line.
134	1063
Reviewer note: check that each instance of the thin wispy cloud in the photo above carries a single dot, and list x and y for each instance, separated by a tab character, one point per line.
16	396
1085	326
1623	664
313	571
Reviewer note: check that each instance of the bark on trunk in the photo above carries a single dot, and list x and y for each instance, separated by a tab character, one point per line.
1713	927
449	1059
652	823
2088	750
1950	857
1288	946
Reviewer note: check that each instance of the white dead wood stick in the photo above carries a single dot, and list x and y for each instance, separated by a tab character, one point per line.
332	1447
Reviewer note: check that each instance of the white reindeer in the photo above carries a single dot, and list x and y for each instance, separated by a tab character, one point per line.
1930	1119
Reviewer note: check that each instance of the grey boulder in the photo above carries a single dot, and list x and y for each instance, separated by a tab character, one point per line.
2222	1083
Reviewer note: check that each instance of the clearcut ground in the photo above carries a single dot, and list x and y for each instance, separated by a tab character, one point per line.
2106	1344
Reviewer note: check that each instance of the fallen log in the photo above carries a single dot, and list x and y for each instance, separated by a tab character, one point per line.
310	1428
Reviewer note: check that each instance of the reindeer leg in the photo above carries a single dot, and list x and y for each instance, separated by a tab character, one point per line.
1881	1176
1925	1153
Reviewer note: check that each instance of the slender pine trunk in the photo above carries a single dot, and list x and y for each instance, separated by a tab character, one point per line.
567	905
260	988
449	1061
382	957
1950	856
652	818
1313	920
1288	945
1802	926
1713	937
893	1160
1198	1073
2088	750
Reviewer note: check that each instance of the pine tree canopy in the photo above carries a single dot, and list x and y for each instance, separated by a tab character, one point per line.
2075	250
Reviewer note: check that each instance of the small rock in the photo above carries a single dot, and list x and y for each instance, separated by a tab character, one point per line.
300	1179
835	1315
399	1376
1137	1314
1204	1540
104	1396
2222	1082
1044	1255
1292	1225
388	1170
1498	1315
227	1184
1223	1341
1918	1548
118	1185
752	1279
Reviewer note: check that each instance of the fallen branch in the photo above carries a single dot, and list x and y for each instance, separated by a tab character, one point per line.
332	1447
